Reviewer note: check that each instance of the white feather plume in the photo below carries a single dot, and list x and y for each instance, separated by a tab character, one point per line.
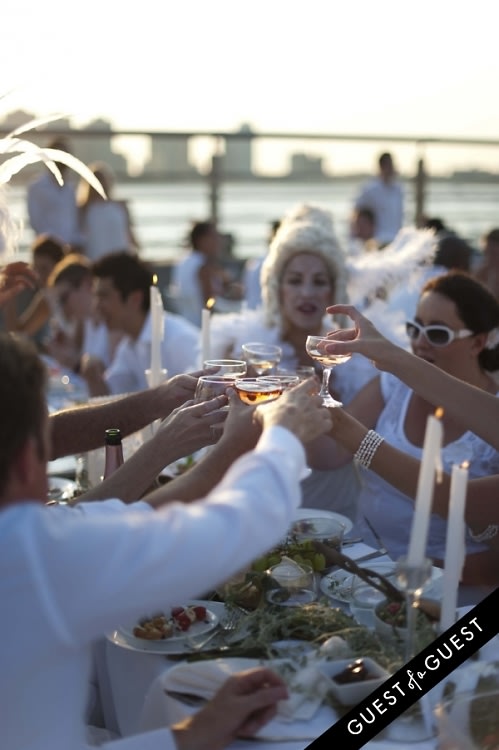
393	265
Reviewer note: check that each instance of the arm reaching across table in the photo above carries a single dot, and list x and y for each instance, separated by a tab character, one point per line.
474	407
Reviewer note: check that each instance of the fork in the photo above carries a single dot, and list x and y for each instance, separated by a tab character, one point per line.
228	625
381	547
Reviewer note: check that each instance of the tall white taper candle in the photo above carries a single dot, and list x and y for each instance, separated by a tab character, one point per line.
455	547
431	462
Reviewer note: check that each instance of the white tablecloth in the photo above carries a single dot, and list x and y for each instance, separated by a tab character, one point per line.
125	677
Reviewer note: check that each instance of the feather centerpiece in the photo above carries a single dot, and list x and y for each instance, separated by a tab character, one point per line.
26	152
410	250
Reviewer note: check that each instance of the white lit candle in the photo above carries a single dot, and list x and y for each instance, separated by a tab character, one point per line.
205	330
157	331
431	463
455	548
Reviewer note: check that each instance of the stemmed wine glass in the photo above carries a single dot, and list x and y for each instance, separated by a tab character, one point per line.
315	348
229	369
263	358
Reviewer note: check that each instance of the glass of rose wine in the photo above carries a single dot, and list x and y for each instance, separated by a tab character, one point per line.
315	347
254	391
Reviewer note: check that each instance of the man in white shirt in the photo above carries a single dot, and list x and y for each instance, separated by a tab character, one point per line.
69	575
383	195
122	294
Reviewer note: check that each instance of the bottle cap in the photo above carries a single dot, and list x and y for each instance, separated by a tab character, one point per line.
113	436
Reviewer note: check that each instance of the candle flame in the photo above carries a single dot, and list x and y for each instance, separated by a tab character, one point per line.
465	465
155	280
210	303
439	413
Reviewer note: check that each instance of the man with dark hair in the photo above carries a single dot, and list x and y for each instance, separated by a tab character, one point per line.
199	275
384	196
122	295
69	575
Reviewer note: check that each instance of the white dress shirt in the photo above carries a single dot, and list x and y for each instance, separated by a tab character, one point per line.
70	575
386	201
178	354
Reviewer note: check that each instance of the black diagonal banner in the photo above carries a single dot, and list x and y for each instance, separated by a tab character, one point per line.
414	679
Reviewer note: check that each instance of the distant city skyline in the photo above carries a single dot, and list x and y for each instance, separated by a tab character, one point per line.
431	69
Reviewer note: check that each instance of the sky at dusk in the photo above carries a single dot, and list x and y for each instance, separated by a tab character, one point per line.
384	68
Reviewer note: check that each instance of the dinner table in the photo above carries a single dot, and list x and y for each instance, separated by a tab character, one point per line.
133	682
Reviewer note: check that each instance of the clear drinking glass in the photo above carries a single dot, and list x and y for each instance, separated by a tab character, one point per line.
291	584
315	349
468	721
226	368
209	386
262	358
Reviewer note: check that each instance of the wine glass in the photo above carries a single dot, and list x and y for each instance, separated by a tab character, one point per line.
315	347
262	357
257	390
230	369
209	386
286	381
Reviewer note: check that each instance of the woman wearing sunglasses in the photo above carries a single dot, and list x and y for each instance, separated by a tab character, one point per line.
455	328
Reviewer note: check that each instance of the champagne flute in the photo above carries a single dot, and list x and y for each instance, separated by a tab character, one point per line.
263	358
315	347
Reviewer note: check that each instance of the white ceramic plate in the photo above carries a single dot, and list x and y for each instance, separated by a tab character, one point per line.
177	644
338	583
302	513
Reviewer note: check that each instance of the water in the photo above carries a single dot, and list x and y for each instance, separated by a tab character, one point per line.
162	212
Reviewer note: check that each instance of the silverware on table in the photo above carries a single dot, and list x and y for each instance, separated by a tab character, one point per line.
381	546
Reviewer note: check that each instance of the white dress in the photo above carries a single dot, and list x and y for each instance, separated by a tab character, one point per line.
105	228
391	512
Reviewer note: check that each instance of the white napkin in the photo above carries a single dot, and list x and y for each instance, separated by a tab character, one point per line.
204	678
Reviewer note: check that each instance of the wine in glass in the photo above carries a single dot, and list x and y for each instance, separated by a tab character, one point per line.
315	347
263	358
254	391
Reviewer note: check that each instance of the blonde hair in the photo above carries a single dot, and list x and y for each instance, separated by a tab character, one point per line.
310	234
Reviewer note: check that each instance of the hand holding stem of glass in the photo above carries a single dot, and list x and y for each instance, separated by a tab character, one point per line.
315	347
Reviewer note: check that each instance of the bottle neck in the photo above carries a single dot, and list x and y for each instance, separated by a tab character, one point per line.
114	459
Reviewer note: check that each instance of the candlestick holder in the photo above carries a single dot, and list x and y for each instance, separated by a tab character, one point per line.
411	579
415	724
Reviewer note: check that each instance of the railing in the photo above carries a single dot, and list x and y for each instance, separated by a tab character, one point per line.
217	174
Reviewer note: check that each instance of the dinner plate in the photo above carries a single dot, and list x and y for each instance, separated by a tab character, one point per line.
338	583
302	513
178	644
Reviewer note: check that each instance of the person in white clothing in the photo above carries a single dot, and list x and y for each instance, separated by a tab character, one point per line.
105	224
122	294
454	328
81	332
124	560
199	275
384	196
52	207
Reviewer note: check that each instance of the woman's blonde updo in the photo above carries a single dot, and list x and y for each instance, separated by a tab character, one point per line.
308	229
